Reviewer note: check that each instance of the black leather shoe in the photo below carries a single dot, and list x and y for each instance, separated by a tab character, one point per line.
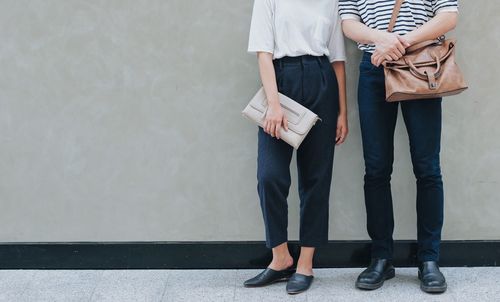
374	276
298	283
269	276
431	278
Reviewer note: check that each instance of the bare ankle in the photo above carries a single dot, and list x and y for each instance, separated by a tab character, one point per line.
305	263
305	270
281	262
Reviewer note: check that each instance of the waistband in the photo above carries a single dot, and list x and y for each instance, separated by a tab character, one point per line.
301	60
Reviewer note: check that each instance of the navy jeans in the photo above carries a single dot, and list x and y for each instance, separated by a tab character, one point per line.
310	81
423	124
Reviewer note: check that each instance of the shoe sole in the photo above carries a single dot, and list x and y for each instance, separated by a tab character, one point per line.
370	286
298	292
270	283
433	289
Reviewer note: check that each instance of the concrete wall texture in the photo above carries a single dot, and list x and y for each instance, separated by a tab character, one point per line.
120	121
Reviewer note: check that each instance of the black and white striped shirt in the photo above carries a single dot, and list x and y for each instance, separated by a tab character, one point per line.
377	14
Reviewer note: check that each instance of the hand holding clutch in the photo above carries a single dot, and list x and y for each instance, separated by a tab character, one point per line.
300	119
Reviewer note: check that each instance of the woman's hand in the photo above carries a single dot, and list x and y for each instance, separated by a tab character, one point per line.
275	120
388	47
342	129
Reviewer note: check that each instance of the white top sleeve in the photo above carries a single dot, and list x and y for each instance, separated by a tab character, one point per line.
336	45
262	29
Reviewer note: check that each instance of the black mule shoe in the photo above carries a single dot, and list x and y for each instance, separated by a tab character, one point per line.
374	276
298	283
431	278
269	276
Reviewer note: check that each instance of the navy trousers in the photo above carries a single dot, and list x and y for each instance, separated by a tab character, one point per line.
423	123
310	81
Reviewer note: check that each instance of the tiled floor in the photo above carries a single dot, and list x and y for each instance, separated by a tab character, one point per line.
465	284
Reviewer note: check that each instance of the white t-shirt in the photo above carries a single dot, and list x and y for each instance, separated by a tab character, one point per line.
291	28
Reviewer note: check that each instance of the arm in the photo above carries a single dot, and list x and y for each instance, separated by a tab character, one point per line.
268	77
432	29
436	27
275	118
359	32
342	125
261	41
337	56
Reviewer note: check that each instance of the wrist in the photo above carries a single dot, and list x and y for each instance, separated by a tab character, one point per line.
376	36
273	103
409	39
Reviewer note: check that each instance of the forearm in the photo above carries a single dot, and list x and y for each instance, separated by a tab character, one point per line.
359	32
339	69
268	77
434	28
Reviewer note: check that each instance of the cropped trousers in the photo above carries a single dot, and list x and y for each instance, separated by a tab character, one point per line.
310	81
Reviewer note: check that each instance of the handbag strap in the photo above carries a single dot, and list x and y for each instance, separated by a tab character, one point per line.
395	13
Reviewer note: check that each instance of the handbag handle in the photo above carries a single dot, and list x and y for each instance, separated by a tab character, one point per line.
430	77
424	75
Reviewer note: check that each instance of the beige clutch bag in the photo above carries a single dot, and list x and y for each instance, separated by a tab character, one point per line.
300	119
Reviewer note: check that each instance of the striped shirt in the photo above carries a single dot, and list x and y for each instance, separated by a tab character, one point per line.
377	14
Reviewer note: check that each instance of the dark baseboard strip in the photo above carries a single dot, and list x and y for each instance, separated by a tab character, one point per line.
222	255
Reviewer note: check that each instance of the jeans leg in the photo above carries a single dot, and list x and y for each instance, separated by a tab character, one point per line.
378	121
423	123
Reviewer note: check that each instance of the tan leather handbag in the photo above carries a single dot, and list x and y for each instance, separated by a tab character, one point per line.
427	70
300	119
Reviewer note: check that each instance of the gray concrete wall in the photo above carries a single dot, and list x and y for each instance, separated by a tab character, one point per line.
120	120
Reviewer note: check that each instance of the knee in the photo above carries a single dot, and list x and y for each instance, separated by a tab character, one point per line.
378	174
269	179
428	171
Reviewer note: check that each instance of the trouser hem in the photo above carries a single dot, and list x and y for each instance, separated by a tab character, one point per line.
273	244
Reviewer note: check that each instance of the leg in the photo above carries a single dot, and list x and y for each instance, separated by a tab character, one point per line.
315	161
423	123
304	265
315	155
273	175
314	165
378	121
281	258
